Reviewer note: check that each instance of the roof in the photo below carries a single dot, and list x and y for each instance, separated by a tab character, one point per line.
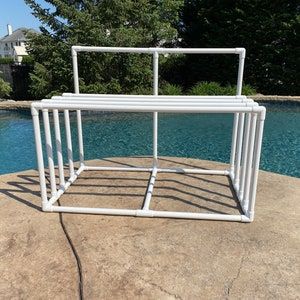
17	35
20	50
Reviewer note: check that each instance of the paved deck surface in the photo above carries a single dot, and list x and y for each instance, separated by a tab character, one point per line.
141	258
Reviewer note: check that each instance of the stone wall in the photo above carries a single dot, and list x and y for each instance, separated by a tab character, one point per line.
5	73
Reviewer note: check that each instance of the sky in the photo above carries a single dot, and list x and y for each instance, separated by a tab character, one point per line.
18	14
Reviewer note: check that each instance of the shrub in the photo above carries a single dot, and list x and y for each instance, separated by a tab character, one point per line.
28	60
214	88
170	89
6	60
5	88
247	90
206	88
142	91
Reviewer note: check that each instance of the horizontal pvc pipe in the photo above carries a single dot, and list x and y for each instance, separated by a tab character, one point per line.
159	50
150	213
88	210
111	96
57	99
160	103
193	171
163	170
124	169
150	108
143	101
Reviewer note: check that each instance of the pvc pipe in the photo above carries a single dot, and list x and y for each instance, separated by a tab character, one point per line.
122	169
236	129
58	148
239	144
159	50
80	137
162	103
245	156
49	151
39	155
78	113
233	144
257	154
155	114
162	170
239	84
193	171
64	188
151	213
142	101
111	96
249	162
150	108
150	189
75	71
69	142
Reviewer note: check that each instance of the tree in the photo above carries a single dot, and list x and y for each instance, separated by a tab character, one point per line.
5	88
128	23
268	29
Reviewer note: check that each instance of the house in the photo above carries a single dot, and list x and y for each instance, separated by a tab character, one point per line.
13	44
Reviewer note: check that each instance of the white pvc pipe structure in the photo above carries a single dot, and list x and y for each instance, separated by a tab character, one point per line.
246	138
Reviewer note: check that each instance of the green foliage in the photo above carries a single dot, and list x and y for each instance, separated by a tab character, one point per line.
142	91
213	88
40	85
170	89
28	60
5	88
206	88
247	90
269	31
6	60
128	23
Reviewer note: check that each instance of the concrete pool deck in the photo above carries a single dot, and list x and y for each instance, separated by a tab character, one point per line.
141	258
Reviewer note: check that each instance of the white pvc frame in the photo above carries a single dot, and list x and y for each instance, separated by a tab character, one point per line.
245	150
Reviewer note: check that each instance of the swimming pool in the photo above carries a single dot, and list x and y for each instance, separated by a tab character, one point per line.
186	135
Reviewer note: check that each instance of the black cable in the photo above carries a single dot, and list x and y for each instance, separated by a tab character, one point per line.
78	261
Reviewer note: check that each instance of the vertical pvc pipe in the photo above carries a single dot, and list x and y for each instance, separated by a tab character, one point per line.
239	145
245	156
239	84
78	112
60	161
249	161
233	144
69	142
235	129
49	151
258	143
155	114
39	155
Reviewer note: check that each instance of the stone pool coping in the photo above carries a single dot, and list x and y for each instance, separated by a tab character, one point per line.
128	257
25	105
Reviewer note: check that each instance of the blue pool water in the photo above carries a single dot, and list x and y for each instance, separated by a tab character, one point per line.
188	135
